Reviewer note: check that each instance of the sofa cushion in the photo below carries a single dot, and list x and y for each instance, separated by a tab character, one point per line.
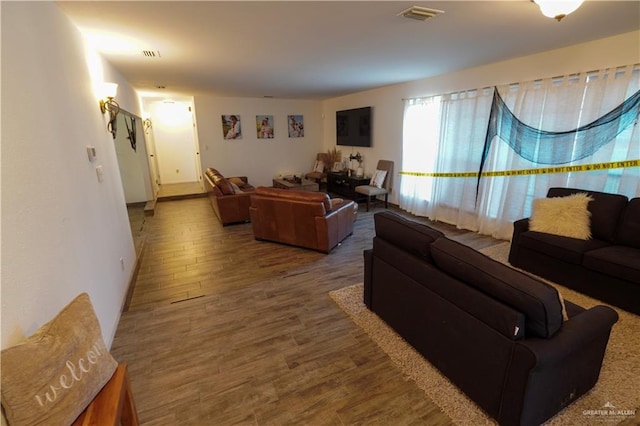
51	377
239	182
236	188
293	195
414	237
224	185
400	263
567	249
539	301
629	226
606	210
567	216
617	261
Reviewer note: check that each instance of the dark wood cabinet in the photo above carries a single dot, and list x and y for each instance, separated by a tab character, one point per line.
343	185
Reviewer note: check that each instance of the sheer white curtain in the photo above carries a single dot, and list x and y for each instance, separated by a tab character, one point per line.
554	105
464	118
421	130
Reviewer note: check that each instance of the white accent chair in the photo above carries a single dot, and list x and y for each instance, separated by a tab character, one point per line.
371	191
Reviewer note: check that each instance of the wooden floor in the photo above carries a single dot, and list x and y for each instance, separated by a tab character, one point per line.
222	330
178	190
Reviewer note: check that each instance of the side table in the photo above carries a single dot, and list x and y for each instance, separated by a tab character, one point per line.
344	185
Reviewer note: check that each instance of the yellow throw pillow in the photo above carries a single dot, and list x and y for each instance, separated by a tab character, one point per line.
53	376
566	216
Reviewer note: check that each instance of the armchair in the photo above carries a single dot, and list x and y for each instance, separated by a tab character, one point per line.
375	187
320	168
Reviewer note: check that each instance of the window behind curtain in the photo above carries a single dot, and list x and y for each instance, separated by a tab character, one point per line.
446	134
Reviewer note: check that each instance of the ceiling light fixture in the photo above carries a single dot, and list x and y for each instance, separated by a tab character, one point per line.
419	13
557	9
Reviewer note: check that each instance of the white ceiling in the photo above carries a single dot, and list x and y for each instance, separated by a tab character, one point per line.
323	49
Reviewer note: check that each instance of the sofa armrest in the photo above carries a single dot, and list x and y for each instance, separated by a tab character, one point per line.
575	335
519	227
368	276
334	226
558	369
232	208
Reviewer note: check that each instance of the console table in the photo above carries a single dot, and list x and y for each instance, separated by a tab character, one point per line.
344	185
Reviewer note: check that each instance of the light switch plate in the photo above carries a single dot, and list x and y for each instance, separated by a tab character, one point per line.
91	153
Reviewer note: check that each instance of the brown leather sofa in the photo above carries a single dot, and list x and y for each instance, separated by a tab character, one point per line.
230	197
300	218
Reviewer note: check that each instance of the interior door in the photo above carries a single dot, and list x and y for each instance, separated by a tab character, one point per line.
175	143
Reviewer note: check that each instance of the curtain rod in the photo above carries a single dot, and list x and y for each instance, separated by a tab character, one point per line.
635	67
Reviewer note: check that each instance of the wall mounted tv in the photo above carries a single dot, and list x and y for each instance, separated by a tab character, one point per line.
353	127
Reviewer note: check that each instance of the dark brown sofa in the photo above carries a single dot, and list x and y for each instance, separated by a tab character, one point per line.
301	218
230	197
496	333
606	267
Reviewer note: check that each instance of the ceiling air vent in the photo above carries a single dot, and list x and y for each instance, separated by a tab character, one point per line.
151	53
420	13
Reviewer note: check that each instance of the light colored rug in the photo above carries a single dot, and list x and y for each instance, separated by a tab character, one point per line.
613	400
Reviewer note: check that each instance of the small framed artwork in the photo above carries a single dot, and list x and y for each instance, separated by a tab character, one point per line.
231	127
337	166
296	126
264	126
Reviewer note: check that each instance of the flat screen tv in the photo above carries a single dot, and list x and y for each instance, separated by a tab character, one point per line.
353	127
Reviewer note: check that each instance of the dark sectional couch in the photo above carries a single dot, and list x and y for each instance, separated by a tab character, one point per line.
606	267
496	333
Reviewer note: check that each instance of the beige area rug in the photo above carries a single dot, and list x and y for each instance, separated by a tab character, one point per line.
614	399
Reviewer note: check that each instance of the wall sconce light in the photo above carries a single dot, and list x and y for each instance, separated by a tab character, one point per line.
557	9
109	104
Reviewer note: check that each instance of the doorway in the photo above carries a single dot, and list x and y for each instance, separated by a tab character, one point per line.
177	152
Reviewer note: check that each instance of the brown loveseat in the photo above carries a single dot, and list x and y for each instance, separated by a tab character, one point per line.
301	218
230	197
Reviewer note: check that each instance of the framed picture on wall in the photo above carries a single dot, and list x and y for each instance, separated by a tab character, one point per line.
296	126
264	126
231	127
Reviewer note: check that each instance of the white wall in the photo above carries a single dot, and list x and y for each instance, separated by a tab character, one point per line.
388	106
258	159
63	232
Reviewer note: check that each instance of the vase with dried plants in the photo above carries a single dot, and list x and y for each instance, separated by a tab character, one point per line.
333	156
